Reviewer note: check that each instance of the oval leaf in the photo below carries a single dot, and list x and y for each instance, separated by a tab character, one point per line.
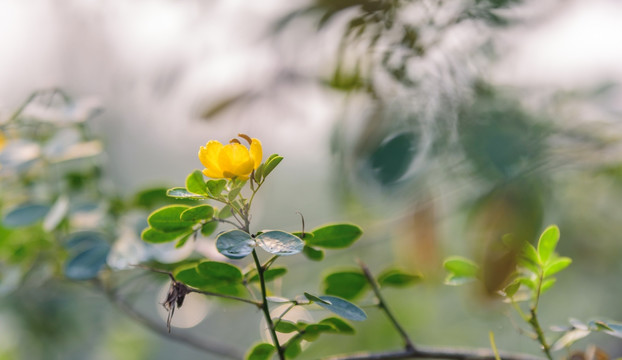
335	236
263	351
88	263
197	213
220	272
548	243
341	326
195	183
157	237
215	187
235	244
167	219
24	215
461	267
208	228
270	274
271	164
556	266
345	284
189	275
343	308
286	327
313	254
181	193
397	278
279	242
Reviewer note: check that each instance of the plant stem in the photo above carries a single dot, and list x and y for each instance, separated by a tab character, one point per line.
208	293
383	306
266	309
533	321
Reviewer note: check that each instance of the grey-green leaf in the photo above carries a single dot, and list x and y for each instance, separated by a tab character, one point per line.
280	242
335	236
548	243
235	244
316	299
24	215
343	308
182	193
284	326
88	263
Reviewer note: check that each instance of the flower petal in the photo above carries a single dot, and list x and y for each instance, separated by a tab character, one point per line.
236	160
214	174
256	152
208	155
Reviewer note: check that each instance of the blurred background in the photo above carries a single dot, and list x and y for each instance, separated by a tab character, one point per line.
437	126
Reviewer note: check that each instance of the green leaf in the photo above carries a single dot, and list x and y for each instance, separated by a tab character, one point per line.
343	308
167	219
293	348
197	213
530	283
235	244
345	284
600	326
270	274
271	164
208	228
461	267
313	254
511	289
547	284
234	193
341	326
556	265
397	278
215	187
196	184
284	326
181	193
157	237
316	299
616	329
258	173
530	254
335	236
307	235
225	212
220	272
548	243
189	275
24	215
313	331
261	351
183	240
279	242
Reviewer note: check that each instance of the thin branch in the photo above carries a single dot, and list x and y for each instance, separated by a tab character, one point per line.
383	306
204	344
208	293
436	353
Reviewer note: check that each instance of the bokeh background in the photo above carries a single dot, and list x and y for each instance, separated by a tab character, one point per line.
437	126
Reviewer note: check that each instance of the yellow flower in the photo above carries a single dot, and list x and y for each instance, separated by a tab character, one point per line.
233	160
2	141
